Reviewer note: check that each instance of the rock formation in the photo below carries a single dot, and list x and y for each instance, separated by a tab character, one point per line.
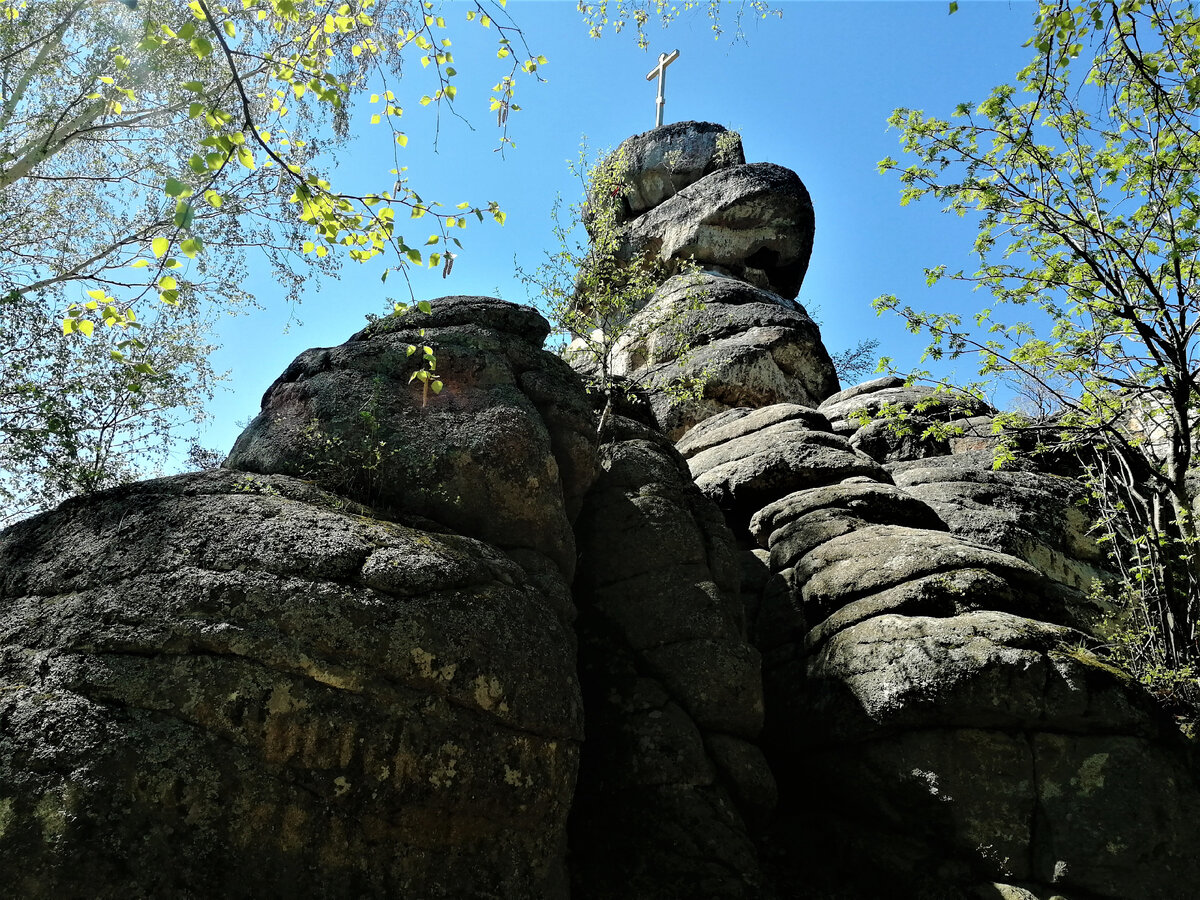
741	344
756	644
236	683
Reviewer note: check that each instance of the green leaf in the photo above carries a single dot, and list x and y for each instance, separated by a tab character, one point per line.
201	47
160	246
213	198
191	246
176	188
184	214
139	263
97	294
86	327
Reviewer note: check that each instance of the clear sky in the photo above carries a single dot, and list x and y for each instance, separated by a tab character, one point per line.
812	92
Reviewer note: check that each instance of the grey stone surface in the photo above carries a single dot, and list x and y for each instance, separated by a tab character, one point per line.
754	222
672	689
976	670
707	343
226	684
918	398
1041	518
891	421
663	161
875	557
742	421
866	387
746	472
986	745
881	504
914	437
504	453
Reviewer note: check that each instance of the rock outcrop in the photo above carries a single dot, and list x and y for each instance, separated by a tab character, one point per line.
754	222
1041	518
671	770
227	684
661	162
504	453
892	420
706	343
485	643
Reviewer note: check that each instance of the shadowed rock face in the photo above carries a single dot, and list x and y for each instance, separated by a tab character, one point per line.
671	772
226	684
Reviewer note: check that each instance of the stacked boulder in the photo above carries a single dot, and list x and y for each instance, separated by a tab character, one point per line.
706	343
1039	517
923	621
893	420
740	236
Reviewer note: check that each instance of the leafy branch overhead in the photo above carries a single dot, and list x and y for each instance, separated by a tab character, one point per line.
1082	179
616	15
194	124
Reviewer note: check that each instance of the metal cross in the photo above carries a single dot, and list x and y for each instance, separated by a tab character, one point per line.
664	60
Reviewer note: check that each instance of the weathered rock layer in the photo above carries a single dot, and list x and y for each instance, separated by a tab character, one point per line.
238	685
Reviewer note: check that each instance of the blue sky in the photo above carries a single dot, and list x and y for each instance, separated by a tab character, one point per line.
811	91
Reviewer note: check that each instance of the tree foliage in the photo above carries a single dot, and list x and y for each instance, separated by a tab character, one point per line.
589	290
616	15
165	137
73	420
1082	178
154	150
